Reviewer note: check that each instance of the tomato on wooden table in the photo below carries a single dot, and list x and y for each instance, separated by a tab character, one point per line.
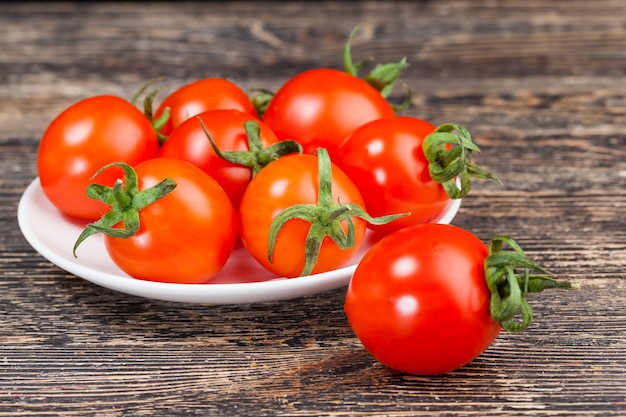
430	298
84	137
205	94
176	225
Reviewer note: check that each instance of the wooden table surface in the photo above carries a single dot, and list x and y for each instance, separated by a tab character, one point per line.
540	84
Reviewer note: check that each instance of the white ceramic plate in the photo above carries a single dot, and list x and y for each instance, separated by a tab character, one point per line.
242	280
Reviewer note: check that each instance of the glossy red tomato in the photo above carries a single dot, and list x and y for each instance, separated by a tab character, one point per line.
419	302
185	236
80	140
320	107
287	182
226	127
385	160
200	96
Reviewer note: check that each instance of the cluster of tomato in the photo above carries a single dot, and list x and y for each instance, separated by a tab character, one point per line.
298	175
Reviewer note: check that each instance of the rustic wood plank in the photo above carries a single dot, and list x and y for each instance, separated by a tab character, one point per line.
541	85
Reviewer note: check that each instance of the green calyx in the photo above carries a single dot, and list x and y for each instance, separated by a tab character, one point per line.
383	77
325	217
148	109
257	156
449	153
260	99
510	276
125	202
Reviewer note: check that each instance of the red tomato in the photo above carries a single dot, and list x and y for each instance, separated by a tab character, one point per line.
86	136
385	160
185	236
200	96
320	107
226	127
290	181
419	302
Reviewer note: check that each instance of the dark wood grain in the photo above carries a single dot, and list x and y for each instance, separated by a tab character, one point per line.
540	84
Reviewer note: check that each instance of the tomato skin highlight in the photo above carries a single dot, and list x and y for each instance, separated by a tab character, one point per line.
83	138
288	181
202	95
186	236
188	142
320	107
418	300
384	159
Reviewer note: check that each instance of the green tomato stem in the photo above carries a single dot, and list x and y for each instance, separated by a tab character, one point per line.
148	109
256	157
126	203
325	217
383	77
509	279
449	153
260	99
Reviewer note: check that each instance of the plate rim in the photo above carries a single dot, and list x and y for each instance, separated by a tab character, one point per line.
273	289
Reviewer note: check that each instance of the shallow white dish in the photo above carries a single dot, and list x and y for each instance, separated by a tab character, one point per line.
241	280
